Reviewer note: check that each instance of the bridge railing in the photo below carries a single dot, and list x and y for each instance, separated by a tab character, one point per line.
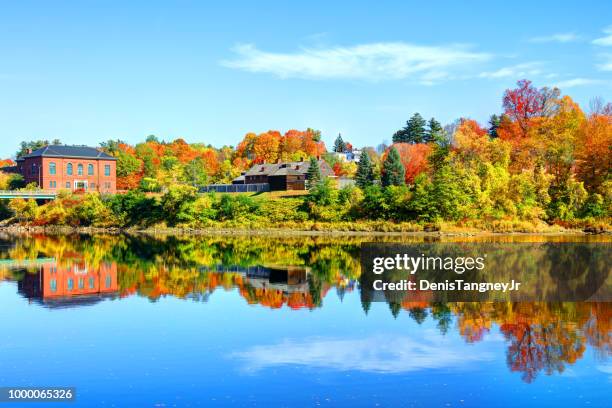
27	193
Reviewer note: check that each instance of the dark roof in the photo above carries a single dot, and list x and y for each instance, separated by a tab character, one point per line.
277	169
77	152
286	171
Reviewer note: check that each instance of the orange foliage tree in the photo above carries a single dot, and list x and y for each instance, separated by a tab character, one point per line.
594	152
414	158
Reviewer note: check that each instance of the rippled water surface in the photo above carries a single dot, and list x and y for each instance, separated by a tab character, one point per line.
282	321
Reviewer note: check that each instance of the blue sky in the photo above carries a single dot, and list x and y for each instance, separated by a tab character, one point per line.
90	71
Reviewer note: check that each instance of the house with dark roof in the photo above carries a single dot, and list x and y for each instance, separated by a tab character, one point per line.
61	167
283	176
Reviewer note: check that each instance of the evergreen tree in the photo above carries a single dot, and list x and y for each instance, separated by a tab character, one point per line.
494	122
339	145
413	132
313	175
434	131
365	173
393	169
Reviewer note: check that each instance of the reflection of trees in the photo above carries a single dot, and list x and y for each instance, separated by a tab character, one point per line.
542	337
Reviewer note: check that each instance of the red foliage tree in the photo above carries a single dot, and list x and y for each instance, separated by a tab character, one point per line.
523	103
414	158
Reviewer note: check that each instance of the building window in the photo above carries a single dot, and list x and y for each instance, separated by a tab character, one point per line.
52	168
67	184
80	169
108	281
70	284
53	285
81	283
69	169
90	169
92	185
91	283
107	169
52	184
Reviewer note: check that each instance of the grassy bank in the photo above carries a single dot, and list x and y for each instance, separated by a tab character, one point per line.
372	210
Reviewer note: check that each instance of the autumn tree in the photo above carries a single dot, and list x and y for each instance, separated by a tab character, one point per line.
523	103
414	158
266	147
594	152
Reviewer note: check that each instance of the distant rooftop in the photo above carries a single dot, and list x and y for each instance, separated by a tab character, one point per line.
287	168
77	152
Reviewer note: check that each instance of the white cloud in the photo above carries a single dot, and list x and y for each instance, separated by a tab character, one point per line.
606	65
559	37
371	62
606	368
606	40
570	83
372	354
514	71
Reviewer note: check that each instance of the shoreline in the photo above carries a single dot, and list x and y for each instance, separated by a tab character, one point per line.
68	230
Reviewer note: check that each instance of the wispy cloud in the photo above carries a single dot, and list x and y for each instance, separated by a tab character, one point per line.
606	65
559	38
514	71
570	83
372	354
606	40
370	62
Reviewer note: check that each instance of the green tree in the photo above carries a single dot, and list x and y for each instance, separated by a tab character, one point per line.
126	164
313	175
393	169
133	208
339	145
195	173
25	147
365	172
434	131
494	123
413	132
316	134
177	205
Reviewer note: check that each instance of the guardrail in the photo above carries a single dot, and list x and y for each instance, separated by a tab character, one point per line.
236	188
40	194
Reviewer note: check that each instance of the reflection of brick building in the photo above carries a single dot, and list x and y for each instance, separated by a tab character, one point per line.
69	168
77	280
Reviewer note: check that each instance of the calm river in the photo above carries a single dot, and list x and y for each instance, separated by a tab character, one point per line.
260	321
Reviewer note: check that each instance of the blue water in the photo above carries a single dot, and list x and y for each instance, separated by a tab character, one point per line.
205	321
132	352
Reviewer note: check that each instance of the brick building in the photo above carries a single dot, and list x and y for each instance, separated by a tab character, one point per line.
70	284
72	168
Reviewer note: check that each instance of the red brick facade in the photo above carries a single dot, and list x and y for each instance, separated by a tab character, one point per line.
63	173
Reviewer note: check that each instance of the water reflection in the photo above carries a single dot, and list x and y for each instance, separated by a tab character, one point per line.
299	273
73	284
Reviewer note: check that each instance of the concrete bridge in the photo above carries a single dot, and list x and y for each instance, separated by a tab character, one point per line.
25	194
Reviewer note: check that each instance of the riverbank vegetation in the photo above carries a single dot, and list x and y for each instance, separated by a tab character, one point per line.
542	164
